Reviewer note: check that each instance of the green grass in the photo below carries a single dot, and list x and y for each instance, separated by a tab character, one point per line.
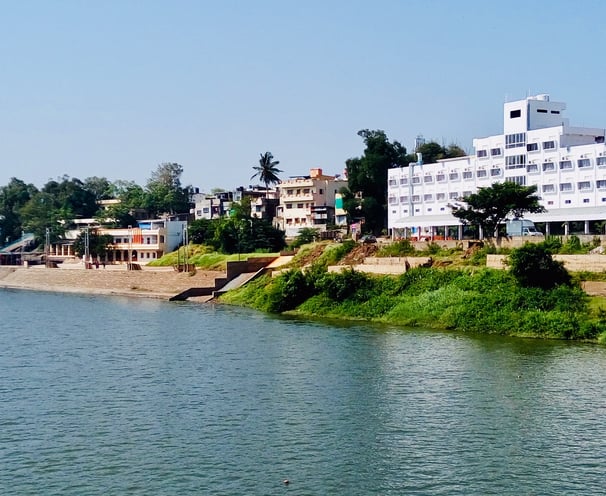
204	258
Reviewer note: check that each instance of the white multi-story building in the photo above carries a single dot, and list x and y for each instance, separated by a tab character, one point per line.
537	147
307	201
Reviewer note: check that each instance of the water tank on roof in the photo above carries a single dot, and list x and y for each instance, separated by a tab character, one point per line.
544	97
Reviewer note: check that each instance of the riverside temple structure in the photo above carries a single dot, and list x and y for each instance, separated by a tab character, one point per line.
537	147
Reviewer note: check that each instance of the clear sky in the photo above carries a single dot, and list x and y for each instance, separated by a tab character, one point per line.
115	87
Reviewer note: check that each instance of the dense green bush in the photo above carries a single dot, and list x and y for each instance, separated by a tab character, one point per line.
533	266
400	248
479	300
306	235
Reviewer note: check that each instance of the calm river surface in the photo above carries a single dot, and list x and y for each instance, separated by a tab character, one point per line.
102	395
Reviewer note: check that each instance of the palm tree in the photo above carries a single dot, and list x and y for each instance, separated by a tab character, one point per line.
267	171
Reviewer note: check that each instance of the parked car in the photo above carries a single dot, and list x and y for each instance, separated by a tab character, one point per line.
368	238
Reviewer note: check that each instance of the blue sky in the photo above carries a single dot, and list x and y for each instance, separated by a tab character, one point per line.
114	88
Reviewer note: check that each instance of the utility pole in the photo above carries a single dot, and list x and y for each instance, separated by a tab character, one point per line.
47	248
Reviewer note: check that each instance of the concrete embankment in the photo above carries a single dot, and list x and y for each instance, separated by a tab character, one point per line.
150	282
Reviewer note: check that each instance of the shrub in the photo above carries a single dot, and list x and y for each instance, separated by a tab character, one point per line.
533	266
286	292
305	236
572	246
399	248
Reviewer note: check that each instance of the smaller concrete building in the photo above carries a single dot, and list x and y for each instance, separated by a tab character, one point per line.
307	202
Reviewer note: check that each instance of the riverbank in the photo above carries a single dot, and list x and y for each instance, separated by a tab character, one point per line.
482	300
157	282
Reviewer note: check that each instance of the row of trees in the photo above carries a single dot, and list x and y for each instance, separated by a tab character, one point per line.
366	196
23	207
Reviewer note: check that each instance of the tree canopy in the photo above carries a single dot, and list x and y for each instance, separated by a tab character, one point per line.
533	266
492	205
267	170
367	178
432	152
164	193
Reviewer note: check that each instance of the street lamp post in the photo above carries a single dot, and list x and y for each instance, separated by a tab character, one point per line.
130	247
86	248
47	247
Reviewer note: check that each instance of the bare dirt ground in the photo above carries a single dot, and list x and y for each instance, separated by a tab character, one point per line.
155	283
359	253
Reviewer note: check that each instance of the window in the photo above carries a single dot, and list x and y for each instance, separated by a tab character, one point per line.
467	174
299	205
532	147
532	168
584	185
495	152
565	187
393	200
548	188
583	163
515	162
548	167
555	111
565	164
542	111
521	180
481	173
600	184
393	182
453	176
416	180
306	190
600	161
289	205
453	196
466	193
428	198
403	181
585	200
495	172
549	145
515	140
289	191
441	196
322	191
567	202
482	153
428	178
515	113
441	177
416	198
404	199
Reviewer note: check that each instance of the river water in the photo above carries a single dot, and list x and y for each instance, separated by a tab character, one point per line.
103	395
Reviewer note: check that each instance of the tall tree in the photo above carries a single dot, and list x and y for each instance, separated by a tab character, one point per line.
490	206
367	178
164	191
432	152
267	170
13	197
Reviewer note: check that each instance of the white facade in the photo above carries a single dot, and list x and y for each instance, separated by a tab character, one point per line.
307	202
538	147
147	241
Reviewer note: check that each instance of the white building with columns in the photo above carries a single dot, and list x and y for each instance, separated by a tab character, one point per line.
538	147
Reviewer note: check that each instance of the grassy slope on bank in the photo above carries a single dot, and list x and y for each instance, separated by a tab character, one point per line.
468	299
203	258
